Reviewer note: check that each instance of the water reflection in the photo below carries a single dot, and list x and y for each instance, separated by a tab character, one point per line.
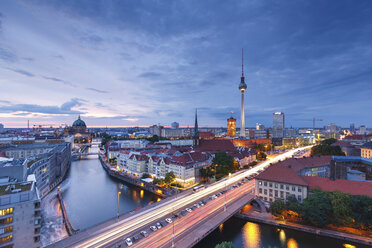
292	243
220	227
251	234
282	237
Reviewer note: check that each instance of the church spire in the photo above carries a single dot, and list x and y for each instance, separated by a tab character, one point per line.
196	128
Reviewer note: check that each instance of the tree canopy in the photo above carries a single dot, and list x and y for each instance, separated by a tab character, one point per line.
225	244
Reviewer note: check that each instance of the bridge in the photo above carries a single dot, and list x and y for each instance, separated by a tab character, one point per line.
188	230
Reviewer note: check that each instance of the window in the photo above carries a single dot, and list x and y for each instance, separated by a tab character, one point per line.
276	193
299	198
293	188
265	198
6	211
260	190
270	185
265	191
282	194
7	220
287	187
276	185
299	189
270	192
260	183
265	183
281	186
6	239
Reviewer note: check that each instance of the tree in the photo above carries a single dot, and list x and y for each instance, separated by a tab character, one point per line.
169	178
361	207
261	156
277	207
325	150
293	204
224	164
153	139
317	208
145	175
341	208
329	142
225	244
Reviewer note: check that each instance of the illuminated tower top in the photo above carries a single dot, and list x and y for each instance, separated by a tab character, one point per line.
242	85
231	127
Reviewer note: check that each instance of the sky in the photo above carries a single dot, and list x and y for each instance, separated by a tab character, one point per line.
139	63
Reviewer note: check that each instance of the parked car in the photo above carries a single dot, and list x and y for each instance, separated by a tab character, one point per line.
169	220
162	223
144	234
129	242
183	213
188	210
135	238
153	228
158	225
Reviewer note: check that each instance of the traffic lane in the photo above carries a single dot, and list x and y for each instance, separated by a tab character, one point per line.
192	219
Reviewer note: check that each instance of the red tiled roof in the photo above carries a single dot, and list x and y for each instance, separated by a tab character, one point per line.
281	174
357	136
206	135
298	164
216	145
342	185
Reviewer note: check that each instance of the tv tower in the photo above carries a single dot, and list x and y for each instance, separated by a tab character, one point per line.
242	88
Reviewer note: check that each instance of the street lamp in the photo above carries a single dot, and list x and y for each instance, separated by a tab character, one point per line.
119	193
225	207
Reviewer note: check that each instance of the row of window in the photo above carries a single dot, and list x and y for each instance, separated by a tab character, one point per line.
6	220
6	211
281	186
6	229
6	239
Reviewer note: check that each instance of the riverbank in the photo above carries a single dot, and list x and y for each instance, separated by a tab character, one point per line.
134	181
267	218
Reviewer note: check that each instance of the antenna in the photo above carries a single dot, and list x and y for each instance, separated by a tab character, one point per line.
242	63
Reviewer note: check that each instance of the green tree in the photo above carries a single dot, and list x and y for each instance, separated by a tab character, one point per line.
224	164
225	244
153	139
361	207
158	181
277	207
261	156
326	150
341	208
329	142
293	204
169	178
317	208
145	175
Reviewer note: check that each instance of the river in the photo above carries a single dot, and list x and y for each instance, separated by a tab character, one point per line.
90	197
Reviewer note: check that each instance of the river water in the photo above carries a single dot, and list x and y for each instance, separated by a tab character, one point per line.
90	197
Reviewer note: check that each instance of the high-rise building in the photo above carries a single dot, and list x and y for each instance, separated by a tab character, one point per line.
175	125
259	126
156	130
231	127
278	125
242	88
352	128
362	129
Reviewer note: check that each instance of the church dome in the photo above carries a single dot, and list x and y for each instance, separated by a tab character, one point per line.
79	123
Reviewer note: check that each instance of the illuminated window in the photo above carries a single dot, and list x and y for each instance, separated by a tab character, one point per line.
6	211
6	239
259	182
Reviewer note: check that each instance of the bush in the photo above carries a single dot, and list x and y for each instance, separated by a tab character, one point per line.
145	175
225	244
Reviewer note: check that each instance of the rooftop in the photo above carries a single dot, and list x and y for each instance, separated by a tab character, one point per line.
282	174
342	185
367	145
298	164
15	188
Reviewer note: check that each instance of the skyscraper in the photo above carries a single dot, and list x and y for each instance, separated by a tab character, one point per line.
278	125
242	88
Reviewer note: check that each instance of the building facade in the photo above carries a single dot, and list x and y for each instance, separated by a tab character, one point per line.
231	127
278	125
366	150
20	215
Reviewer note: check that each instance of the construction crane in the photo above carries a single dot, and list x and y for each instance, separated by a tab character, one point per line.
313	120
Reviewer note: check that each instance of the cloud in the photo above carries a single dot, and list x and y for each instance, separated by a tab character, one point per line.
7	55
22	72
64	109
97	90
59	81
151	75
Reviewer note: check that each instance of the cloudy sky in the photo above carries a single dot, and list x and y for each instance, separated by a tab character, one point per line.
134	63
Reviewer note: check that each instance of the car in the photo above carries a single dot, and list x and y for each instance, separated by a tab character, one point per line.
129	242
188	210
183	213
144	234
135	238
169	220
193	207
158	225
240	184
162	223
201	203
153	228
176	215
197	205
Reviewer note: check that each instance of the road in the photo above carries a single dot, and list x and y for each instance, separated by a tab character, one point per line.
115	233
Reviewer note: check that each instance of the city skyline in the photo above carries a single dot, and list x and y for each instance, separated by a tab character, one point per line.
112	62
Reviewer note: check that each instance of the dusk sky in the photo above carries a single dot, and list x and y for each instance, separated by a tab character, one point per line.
129	63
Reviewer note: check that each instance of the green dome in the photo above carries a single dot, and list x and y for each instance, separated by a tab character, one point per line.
79	123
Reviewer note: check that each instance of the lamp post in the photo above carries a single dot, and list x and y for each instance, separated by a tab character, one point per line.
225	206
119	193
173	245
